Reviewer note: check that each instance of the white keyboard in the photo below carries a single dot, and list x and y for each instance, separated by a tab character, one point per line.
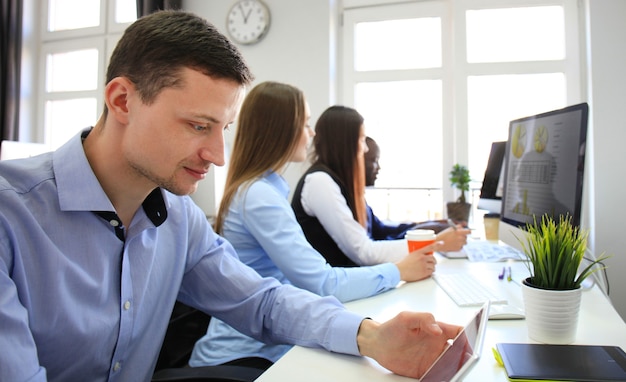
465	290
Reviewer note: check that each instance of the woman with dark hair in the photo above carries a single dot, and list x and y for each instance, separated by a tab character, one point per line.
255	217
329	200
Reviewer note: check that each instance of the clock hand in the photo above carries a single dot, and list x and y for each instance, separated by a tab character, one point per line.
245	17
244	14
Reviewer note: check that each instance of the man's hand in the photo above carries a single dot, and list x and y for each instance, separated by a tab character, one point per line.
407	344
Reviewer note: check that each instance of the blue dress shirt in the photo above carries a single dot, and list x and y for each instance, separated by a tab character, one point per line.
262	227
79	302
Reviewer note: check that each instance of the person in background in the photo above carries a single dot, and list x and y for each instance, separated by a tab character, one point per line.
385	230
99	238
256	218
329	199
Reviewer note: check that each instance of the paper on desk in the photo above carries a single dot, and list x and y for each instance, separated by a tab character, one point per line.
454	254
485	251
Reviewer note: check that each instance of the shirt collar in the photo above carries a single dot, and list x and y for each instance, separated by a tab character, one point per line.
277	181
80	190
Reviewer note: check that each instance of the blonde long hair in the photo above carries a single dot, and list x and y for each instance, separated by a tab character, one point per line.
270	125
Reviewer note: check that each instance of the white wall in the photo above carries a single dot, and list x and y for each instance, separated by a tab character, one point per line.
607	98
299	50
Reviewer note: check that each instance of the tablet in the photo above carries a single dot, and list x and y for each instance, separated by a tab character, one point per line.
463	352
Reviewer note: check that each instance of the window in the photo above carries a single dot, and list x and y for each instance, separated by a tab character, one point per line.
438	81
74	52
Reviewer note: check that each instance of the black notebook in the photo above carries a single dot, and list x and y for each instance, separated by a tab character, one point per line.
563	362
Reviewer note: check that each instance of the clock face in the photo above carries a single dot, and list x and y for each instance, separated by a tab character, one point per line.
248	21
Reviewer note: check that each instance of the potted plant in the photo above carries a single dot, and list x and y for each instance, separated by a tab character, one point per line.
552	292
459	211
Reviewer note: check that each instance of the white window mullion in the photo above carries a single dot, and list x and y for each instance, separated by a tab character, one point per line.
530	67
574	51
456	105
398	75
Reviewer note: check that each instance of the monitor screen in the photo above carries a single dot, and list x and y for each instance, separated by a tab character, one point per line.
492	188
544	165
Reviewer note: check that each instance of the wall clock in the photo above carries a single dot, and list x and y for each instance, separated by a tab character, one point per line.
248	21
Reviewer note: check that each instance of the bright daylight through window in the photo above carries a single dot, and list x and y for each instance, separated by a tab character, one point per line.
438	82
76	50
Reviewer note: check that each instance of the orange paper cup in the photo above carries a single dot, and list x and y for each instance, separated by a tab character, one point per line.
419	238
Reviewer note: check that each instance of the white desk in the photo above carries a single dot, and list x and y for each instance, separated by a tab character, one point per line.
599	323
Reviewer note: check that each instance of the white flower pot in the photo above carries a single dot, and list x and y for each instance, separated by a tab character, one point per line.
551	315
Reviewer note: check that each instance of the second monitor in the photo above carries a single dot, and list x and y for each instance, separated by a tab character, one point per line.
492	187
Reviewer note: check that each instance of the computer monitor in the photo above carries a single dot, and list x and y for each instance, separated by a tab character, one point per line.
491	191
543	169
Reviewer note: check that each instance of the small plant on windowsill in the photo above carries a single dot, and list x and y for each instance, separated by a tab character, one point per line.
460	179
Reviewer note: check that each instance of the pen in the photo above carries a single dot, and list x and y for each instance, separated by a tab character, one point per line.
451	224
509	277
501	275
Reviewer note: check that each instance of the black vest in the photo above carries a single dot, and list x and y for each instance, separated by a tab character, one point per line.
313	229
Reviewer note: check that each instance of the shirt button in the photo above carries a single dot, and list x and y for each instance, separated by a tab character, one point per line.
117	366
127	305
114	223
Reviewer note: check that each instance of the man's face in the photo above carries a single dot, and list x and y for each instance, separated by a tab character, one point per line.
172	142
371	163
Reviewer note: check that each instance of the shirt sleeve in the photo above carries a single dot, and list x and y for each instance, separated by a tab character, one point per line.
265	309
322	198
19	359
270	219
386	230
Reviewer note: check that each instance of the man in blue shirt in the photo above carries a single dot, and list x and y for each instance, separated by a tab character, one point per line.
99	238
386	230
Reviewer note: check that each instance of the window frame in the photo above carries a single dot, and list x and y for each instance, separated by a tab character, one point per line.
101	38
455	69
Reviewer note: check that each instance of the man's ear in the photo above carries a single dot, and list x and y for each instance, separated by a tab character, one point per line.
116	96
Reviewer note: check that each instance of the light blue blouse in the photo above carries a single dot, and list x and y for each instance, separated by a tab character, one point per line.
265	233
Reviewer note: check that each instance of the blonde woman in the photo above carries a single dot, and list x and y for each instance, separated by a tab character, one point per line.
255	216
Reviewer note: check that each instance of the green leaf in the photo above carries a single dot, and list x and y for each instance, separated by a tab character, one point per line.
555	251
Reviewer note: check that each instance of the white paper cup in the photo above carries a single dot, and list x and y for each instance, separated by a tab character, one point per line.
419	238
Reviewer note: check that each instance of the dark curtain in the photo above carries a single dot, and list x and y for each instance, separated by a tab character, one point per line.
145	7
10	64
